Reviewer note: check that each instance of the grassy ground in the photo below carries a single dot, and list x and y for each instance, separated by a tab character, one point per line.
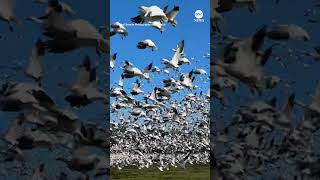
190	173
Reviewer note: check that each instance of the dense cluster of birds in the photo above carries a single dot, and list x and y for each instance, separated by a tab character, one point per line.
169	125
40	123
261	140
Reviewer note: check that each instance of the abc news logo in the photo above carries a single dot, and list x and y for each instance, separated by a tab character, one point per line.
199	16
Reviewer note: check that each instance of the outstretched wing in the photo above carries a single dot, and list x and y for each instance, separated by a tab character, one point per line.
177	54
173	13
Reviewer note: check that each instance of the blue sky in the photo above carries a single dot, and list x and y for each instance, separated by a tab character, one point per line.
196	36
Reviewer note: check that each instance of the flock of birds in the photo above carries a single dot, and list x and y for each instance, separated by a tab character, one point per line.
80	145
169	125
261	140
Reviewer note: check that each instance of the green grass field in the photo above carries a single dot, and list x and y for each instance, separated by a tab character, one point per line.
197	172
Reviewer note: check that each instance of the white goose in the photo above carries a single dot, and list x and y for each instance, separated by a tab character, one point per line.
200	71
169	82
166	71
67	36
136	88
19	96
184	60
130	71
150	14
118	28
243	60
118	92
171	15
152	96
148	43
156	69
84	90
187	79
86	35
113	61
157	25
174	62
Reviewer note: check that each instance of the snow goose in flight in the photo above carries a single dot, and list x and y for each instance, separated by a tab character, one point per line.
37	138
85	35
20	96
163	92
148	43
171	15
174	62
243	60
169	82
156	69
182	54
184	60
152	96
166	71
187	79
136	88
113	61
118	28
84	90
70	35
7	12
129	71
118	92
53	21
287	32
34	68
157	25
199	71
150	14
